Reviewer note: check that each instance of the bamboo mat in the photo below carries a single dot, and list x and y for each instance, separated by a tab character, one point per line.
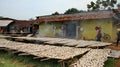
67	42
89	57
44	50
94	58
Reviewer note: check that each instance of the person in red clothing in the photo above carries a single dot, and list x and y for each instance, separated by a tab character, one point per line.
1	30
98	33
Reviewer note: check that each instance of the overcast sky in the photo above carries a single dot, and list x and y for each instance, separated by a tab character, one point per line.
25	9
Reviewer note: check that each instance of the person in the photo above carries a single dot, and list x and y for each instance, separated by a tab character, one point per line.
118	36
98	33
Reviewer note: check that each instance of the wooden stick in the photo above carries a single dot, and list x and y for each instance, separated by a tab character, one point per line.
2	48
63	60
62	64
6	49
15	52
23	54
45	59
36	57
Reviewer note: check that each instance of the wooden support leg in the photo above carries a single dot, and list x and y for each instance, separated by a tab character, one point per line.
45	59
62	64
36	57
21	54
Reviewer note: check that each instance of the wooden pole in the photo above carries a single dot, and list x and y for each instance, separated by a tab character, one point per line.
36	57
45	59
23	54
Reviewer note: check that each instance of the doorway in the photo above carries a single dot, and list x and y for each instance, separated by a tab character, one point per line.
71	30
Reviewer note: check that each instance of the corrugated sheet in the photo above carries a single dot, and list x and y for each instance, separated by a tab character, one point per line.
4	23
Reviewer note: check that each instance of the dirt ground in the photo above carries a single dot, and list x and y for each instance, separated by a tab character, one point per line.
114	47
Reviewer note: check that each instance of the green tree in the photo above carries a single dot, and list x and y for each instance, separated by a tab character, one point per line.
92	4
112	2
72	11
1	17
88	6
106	4
56	13
31	19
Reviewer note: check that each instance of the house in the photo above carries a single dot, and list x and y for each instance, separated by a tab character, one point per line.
20	26
4	22
13	26
80	25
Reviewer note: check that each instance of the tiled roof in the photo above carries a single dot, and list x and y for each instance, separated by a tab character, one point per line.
78	16
23	23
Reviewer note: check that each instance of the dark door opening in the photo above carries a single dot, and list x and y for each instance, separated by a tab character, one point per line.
71	30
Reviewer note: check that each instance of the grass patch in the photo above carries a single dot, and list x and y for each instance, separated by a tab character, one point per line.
13	60
110	62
